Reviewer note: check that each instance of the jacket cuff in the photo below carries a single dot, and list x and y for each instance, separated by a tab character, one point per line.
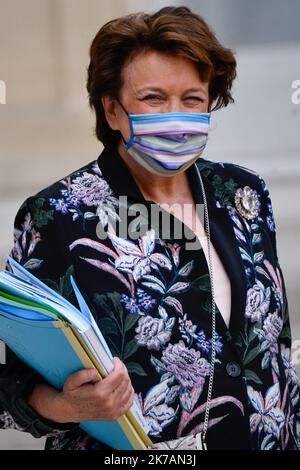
26	417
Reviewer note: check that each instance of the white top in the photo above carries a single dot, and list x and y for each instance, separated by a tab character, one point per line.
222	286
221	281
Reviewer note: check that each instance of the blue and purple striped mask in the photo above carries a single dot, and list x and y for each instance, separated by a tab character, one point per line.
167	143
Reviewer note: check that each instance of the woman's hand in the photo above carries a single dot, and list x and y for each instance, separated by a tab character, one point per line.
80	400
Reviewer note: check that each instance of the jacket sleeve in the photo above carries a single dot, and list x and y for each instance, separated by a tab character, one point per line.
37	248
268	216
285	336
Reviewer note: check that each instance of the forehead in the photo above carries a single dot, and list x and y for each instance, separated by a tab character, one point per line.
154	69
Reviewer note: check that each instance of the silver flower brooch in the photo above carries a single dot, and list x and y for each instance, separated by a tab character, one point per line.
247	202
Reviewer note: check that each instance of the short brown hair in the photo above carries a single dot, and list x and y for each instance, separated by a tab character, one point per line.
173	30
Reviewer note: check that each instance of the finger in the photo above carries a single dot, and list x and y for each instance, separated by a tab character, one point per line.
126	407
121	388
119	365
80	378
121	407
116	377
122	393
127	395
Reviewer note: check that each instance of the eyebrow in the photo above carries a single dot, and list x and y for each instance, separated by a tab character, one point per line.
158	89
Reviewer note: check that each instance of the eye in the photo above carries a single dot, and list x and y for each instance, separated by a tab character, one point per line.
152	97
194	98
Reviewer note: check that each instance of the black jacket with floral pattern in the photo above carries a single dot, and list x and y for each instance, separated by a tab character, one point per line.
151	297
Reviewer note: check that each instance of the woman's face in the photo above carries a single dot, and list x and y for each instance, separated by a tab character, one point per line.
154	82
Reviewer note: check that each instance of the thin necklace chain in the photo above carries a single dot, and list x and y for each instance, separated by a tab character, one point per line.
213	339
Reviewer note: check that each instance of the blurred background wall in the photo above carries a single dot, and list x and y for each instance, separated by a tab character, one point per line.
46	127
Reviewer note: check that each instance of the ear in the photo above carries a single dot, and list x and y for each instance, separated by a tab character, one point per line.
110	110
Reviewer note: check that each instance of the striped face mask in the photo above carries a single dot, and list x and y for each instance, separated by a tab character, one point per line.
167	143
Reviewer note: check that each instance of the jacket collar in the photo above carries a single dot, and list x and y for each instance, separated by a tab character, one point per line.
121	181
117	174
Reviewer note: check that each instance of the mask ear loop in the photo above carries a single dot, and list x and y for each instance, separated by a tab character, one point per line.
122	106
130	141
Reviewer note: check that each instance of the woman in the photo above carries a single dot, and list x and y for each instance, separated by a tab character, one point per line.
194	308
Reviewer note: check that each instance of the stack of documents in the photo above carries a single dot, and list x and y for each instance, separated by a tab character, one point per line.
56	339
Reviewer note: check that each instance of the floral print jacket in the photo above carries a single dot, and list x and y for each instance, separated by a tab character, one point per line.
151	297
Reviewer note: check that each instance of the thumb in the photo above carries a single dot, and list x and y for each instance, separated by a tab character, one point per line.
80	378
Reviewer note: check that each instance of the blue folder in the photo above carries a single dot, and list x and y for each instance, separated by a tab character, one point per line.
44	345
46	349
